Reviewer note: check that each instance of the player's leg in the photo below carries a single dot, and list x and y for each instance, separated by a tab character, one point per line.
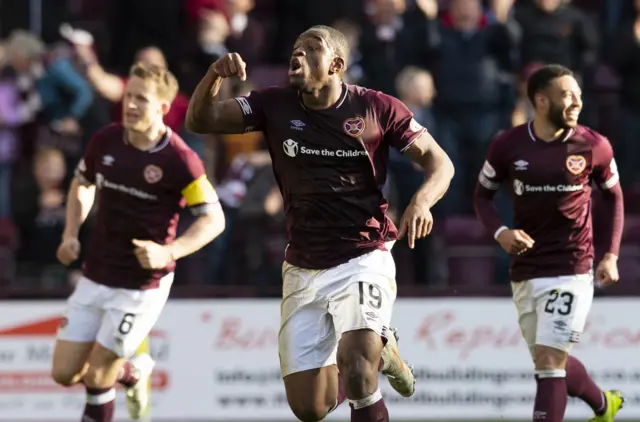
361	305
314	393
359	353
307	347
398	372
99	381
129	317
579	384
562	306
551	395
605	404
77	334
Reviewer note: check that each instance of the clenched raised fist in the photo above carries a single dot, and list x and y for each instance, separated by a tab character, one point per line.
229	65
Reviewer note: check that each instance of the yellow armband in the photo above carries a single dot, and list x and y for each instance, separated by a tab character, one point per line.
200	191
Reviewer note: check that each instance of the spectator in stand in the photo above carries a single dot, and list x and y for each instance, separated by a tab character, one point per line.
213	32
354	74
111	86
474	59
384	42
416	90
262	213
196	7
135	24
556	32
40	217
14	112
523	110
247	36
626	60
64	93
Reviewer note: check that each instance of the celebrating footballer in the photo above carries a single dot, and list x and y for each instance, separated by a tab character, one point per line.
142	175
329	143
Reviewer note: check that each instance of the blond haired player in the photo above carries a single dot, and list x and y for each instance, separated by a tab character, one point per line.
142	175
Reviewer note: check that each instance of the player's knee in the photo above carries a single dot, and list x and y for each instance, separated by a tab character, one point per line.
97	378
311	412
548	358
358	362
359	377
64	376
359	374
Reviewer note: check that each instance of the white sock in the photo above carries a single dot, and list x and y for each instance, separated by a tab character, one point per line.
551	373
367	401
102	398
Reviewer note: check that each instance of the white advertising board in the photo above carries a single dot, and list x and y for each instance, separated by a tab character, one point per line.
218	360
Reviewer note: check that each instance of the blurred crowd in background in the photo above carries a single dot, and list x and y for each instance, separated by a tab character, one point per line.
459	65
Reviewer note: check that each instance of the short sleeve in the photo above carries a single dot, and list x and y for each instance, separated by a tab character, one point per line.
85	172
605	169
252	107
401	129
196	189
493	172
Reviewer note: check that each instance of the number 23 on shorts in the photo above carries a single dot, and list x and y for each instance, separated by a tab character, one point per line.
559	302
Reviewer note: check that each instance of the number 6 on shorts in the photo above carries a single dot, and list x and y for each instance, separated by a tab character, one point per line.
126	324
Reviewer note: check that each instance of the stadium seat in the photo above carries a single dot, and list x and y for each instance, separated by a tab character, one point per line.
629	263
470	252
7	265
7	233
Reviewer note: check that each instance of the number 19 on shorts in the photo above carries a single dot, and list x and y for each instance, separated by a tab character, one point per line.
370	295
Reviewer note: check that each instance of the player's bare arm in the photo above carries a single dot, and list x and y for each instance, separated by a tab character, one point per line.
417	220
79	203
206	228
202	199
207	113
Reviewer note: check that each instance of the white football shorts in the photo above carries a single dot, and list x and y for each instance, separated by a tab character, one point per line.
319	305
118	319
552	311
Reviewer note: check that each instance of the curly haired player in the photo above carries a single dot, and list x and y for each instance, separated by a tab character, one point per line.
550	164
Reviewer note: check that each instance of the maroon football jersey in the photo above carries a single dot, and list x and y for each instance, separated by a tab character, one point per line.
330	166
550	185
138	196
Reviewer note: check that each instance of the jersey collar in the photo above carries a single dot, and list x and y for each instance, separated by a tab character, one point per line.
564	136
336	105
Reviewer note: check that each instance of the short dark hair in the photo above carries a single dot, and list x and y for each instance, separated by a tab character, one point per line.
336	40
540	79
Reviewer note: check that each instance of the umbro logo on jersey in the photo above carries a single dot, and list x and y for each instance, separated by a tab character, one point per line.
297	125
107	160
521	165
